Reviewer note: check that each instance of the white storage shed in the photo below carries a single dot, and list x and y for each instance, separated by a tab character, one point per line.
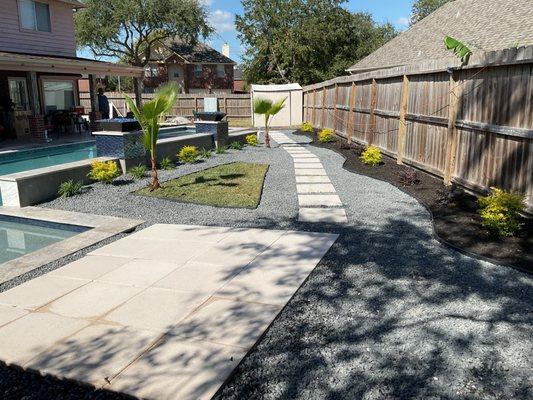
291	115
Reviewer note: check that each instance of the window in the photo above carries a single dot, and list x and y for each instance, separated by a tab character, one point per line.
176	74
34	15
221	71
18	93
58	95
198	70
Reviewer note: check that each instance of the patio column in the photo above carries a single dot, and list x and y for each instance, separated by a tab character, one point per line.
36	119
94	115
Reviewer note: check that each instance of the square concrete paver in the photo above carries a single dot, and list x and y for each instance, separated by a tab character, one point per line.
315	188
166	312
332	215
315	165
312	179
319	200
179	369
310	172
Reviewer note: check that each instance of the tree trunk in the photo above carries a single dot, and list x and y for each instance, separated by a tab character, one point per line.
267	137
155	180
137	89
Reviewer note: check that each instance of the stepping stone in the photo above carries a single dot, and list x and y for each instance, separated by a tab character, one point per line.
332	215
312	179
312	172
317	165
319	200
304	155
308	161
315	188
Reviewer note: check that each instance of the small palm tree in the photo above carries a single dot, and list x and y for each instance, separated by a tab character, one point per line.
268	108
149	116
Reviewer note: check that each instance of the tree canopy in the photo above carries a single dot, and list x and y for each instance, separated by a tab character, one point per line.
129	29
304	41
422	8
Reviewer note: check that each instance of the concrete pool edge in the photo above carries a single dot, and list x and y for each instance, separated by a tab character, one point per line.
101	228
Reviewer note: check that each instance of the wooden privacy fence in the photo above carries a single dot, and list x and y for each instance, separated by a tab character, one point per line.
471	125
236	106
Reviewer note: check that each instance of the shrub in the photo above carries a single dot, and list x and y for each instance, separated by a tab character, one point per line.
69	188
138	172
371	156
221	150
188	154
252	140
104	171
166	164
500	211
307	127
409	177
325	135
206	153
236	145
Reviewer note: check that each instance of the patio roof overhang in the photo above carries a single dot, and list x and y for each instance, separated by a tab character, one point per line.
74	3
65	65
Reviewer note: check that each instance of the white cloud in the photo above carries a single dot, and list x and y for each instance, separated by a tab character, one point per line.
206	3
403	21
222	21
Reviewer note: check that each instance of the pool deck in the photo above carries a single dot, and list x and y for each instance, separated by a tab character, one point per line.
167	312
102	227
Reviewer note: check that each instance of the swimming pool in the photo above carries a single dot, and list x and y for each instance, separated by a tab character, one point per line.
168	132
25	160
21	236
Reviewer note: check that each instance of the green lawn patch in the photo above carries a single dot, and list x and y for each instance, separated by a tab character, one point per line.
236	185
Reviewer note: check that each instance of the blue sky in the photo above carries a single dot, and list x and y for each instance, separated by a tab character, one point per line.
222	18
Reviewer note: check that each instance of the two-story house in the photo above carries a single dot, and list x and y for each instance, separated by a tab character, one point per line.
196	68
39	68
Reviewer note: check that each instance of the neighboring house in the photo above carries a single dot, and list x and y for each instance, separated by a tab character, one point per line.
196	68
239	85
39	69
483	25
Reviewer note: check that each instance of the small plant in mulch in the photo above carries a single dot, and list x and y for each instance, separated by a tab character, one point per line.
371	156
500	211
409	177
138	172
104	171
206	153
306	127
166	164
236	145
188	154
70	188
221	150
252	140
325	135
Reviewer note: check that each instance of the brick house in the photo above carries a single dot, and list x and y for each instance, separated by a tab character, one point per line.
39	69
196	68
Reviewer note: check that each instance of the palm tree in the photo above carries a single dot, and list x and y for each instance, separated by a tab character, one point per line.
148	116
267	108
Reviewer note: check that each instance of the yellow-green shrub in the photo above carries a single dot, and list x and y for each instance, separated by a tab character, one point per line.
104	171
251	140
500	211
325	135
371	156
188	154
307	127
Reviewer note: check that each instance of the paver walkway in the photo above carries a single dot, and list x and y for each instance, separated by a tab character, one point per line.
317	198
167	312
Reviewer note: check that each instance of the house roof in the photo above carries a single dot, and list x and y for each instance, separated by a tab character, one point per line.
73	3
483	25
65	65
198	53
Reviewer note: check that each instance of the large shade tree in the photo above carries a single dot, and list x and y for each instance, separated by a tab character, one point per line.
422	8
130	30
304	41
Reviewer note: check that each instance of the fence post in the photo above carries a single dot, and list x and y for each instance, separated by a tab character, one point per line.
323	107
335	101
452	134
402	127
351	113
373	103
313	110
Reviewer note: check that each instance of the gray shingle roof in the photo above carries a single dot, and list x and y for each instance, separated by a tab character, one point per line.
199	53
483	25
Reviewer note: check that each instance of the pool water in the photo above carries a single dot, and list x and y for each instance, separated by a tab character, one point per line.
165	133
25	160
20	236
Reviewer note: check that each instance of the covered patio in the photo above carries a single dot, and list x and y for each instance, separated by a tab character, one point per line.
39	95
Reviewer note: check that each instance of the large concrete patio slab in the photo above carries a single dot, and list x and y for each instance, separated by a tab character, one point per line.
167	312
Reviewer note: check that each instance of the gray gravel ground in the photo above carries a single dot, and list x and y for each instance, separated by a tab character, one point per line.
389	313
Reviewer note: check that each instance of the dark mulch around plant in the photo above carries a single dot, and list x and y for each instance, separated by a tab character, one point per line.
455	216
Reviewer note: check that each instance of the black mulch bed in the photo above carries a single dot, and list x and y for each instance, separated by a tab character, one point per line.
455	216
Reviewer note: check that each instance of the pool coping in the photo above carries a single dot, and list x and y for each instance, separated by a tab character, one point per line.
101	228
